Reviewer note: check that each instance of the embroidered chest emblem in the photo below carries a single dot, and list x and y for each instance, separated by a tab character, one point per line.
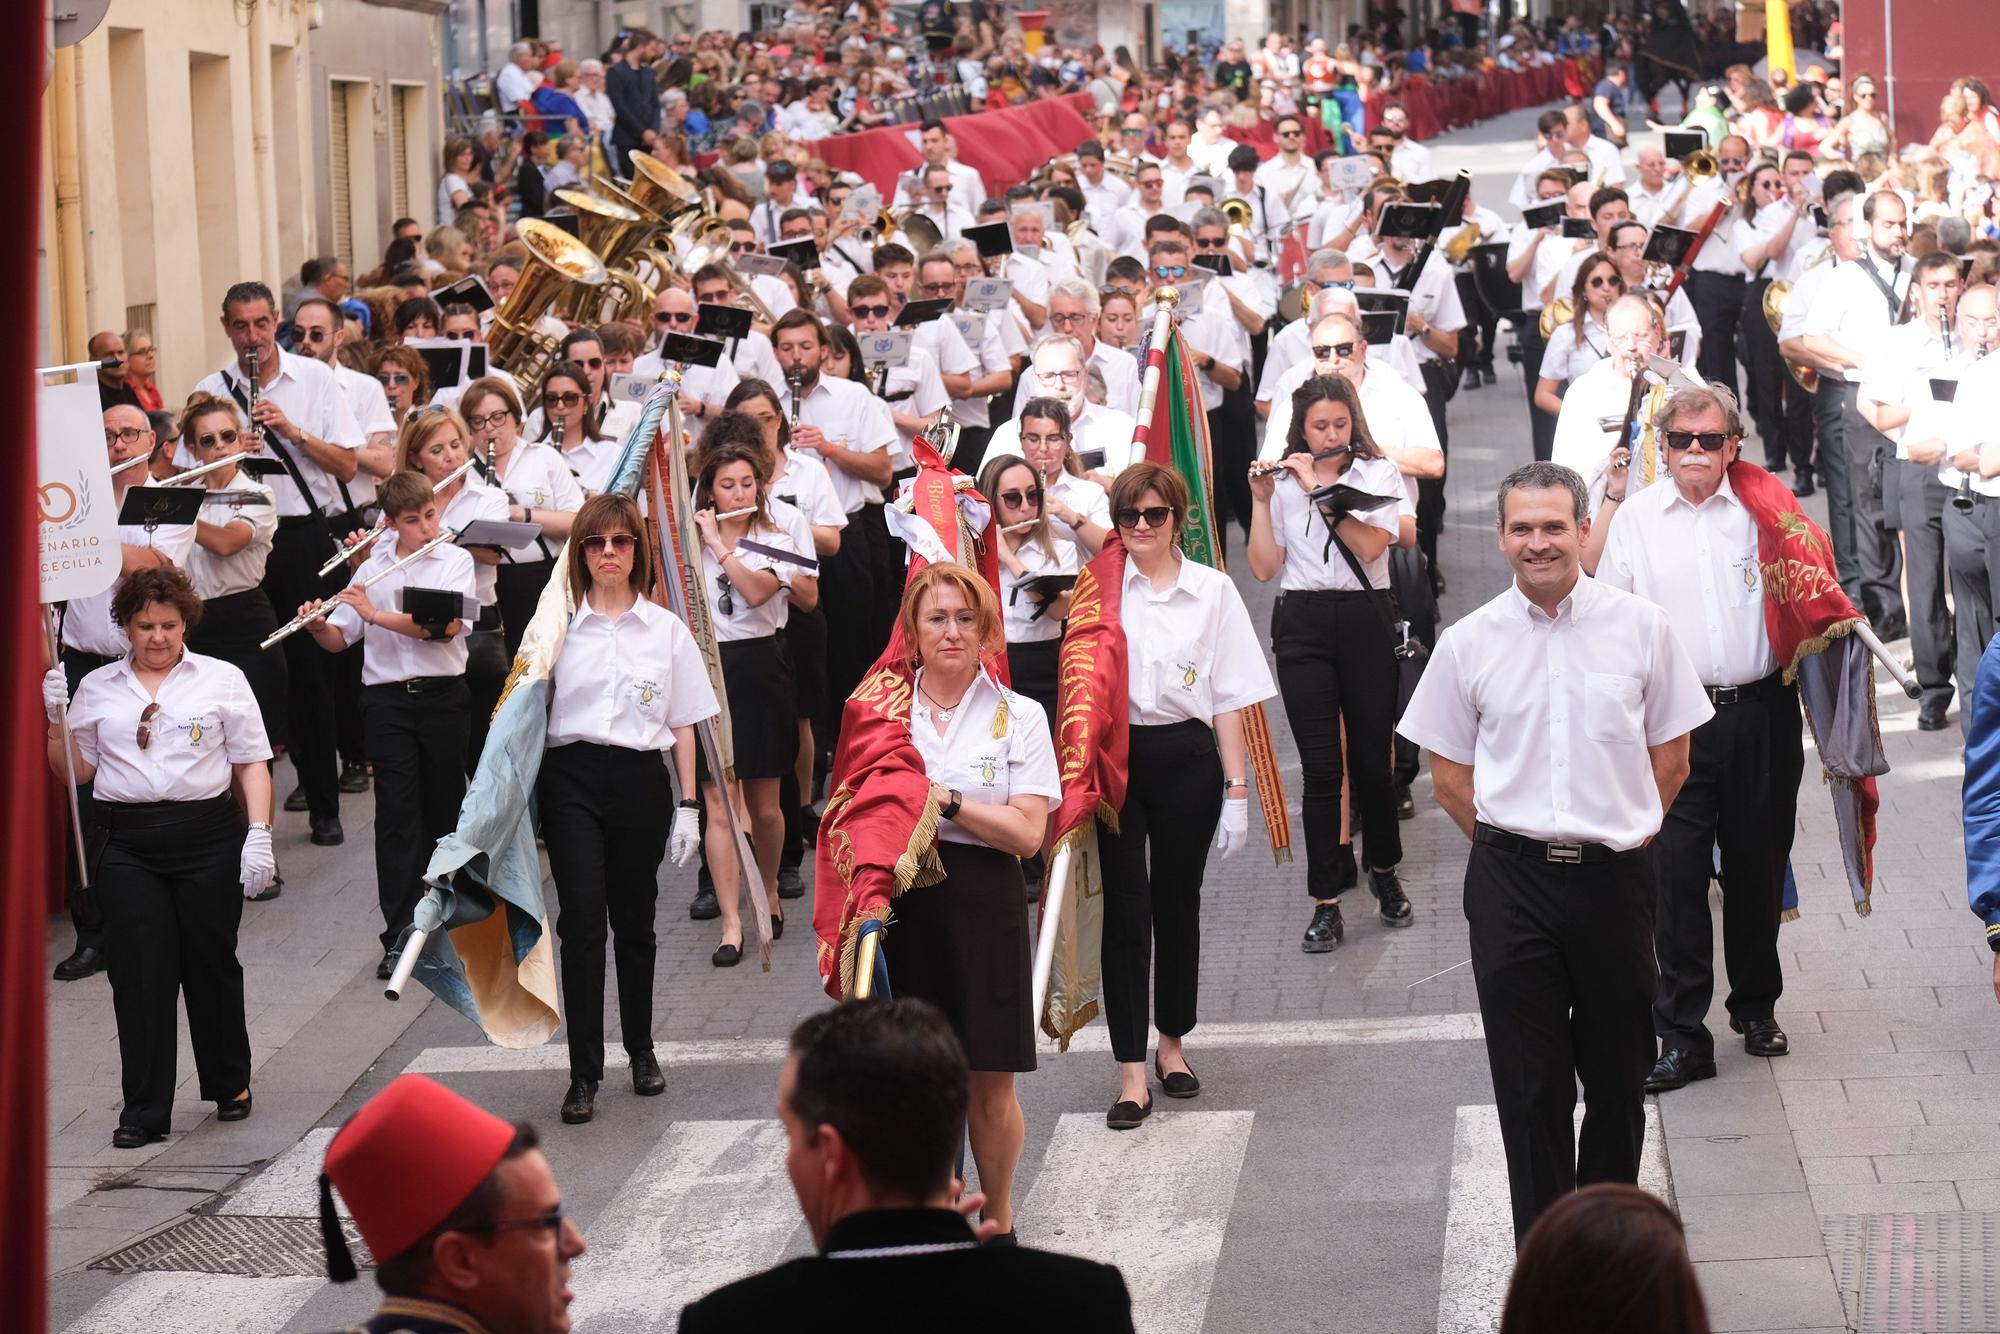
195	731
988	767
649	691
1188	673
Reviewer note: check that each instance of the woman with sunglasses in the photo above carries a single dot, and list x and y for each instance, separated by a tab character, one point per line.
232	542
1192	667
1031	614
623	702
537	487
1580	342
754	566
1332	636
1774	230
436	443
1080	507
567	425
166	736
404	378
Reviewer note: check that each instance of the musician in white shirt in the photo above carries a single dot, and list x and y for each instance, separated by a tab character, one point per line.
1534	257
1103	192
1073	310
703	388
1583	443
968	191
1715	274
1100	437
1289	175
1967	431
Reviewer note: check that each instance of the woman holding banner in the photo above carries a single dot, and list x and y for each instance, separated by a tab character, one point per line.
1192	667
962	944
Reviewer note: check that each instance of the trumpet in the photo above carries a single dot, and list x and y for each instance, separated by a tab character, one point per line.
327	608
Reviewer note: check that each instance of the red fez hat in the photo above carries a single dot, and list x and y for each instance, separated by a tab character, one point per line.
403	1162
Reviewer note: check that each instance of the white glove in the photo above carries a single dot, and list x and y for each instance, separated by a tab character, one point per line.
1234	831
55	694
259	866
685	839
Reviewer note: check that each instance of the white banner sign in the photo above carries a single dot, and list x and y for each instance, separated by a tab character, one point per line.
79	513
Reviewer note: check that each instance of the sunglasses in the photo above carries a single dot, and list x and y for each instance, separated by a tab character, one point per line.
1153	516
1291	134
598	543
568	400
940	289
305	336
741	247
394	379
146	725
868	312
593	364
225	437
1016	499
1328	351
1601	282
1708	442
1211	243
1170	270
1734	161
724	603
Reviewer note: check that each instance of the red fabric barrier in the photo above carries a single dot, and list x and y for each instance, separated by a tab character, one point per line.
1004	147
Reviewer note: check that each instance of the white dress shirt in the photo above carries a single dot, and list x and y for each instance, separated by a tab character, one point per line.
804	483
988	344
1191	651
1294	187
979	765
1435	298
86	621
628	680
743	621
1398	417
1717	256
368	405
1778	264
513	85
851	417
1974	417
1567	358
1093	427
310	396
1119	368
1648	207
1551	256
470	502
534	476
388	656
591	462
1699	564
1411	162
208	721
1017	608
1584	447
216	576
1852	308
1899	375
1102	201
912	387
1212	329
1554	715
710	384
1312	563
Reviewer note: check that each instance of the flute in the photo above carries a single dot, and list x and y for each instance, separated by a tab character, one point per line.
1020	527
347	553
136	462
327	608
198	470
743	513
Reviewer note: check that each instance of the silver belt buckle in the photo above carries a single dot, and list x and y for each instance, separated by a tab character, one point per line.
1568	853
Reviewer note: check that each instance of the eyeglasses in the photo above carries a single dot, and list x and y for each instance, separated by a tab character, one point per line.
1344	284
1734	161
1328	351
551	1221
1016	499
568	400
122	435
724	603
146	725
394	379
672	316
1076	374
1708	442
1153	516
225	437
139	352
1069	318
491	419
868	312
940	289
598	543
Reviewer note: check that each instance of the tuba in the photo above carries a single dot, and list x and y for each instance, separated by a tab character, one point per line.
1556	314
1240	216
613	232
557	261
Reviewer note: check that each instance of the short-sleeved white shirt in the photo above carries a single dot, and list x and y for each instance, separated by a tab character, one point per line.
851	417
470	502
628	680
1555	716
741	620
388	656
310	396
1567	357
1190	649
1017	608
1312	562
86	621
534	476
981	766
806	485
208	721
219	576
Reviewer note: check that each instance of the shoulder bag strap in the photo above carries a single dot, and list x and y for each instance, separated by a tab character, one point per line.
1377	598
291	465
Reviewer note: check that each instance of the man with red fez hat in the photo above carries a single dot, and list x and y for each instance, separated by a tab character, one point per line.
460	1211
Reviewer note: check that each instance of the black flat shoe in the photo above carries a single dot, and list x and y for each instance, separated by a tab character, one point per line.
791	885
1388	892
1179	1084
1762	1037
1931	717
384	969
1486	374
777	927
135	1137
236	1109
86	960
704	908
808	826
295	800
354	778
726	956
1128	1115
647	1081
580	1103
1677	1069
327	833
1326	930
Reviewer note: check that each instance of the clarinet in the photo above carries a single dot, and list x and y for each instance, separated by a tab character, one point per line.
792	383
1963	501
256	392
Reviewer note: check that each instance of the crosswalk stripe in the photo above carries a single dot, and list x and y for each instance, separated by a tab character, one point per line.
288	1187
554	1056
1155	1202
710	1204
1479	1226
212	1303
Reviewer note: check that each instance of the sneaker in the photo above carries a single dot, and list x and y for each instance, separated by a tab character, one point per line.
1388	892
1326	930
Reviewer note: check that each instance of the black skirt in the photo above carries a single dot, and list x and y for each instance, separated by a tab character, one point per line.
231	628
763	720
1033	669
962	945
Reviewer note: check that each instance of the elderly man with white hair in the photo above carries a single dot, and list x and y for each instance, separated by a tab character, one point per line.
518	78
1100	435
596	103
1583	444
1073	307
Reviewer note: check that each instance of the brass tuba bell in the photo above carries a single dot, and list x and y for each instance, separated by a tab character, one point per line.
556	262
613	232
1240	216
1776	294
1556	314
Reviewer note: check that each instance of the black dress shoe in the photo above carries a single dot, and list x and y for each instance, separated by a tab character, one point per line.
1128	1115
1326	930
1471	379
1762	1037
791	885
1677	1068
580	1103
647	1081
1406	805
327	832
295	800
135	1137
1931	717
1893	628
1388	892
386	967
1486	374
704	908
235	1109
271	891
86	959
1179	1084
808	826
354	778
726	956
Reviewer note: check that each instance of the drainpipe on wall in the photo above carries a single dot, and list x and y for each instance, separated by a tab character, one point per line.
72	274
265	261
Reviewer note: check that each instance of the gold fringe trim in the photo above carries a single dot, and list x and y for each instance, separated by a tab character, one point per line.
1077	1023
515	673
918	868
1863	908
1788	915
1817	644
849	946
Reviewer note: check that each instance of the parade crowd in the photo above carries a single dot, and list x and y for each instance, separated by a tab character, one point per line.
400	460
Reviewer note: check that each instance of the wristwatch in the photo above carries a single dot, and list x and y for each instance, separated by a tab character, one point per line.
264	825
1229	783
949	811
689	804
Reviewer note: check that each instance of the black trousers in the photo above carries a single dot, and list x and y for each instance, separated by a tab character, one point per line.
346	667
1476	339
888	560
847	592
1923	499
416	741
1440	384
606	812
517	589
1798	428
1336	662
86	910
291	577
1541	424
1173	800
1718	307
172	903
1562	956
1972	555
1765	371
1232	433
1741	795
486	664
971	450
1878	556
1833	401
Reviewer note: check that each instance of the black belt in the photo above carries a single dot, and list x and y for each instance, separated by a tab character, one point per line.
293	520
489	618
1769	685
1718	277
418	685
1562	854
